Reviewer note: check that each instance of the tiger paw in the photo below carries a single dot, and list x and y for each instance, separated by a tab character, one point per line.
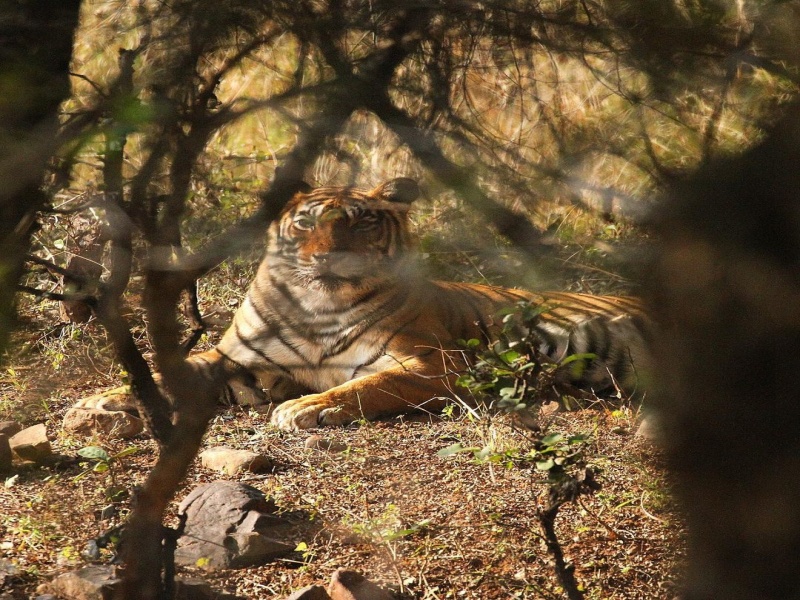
309	412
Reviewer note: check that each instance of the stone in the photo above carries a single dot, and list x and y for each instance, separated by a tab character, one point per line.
232	462
317	442
6	456
225	521
119	398
349	585
649	429
88	583
310	592
247	549
193	588
7	570
31	443
9	428
115	424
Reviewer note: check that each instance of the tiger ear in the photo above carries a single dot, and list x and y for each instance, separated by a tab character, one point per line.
402	189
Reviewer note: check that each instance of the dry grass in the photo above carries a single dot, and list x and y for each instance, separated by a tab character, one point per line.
424	526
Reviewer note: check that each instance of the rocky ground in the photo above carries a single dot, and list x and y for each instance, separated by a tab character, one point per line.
374	497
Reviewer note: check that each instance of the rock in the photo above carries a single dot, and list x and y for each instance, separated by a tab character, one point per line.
6	455
119	398
349	585
9	428
116	424
233	462
649	429
31	443
317	442
88	583
252	548
193	588
224	521
310	592
7	570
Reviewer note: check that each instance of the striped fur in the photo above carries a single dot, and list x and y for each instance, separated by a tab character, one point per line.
339	313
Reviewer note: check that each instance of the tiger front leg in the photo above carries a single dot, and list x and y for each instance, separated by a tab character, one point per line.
369	397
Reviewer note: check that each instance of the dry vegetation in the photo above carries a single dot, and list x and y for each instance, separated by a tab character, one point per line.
572	130
422	525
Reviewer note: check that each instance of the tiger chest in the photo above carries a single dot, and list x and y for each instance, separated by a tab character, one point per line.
327	361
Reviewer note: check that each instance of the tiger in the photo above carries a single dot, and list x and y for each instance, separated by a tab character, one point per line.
340	324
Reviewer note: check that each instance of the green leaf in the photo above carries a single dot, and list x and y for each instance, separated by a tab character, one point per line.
101	467
552	439
456	448
94	453
545	465
583	356
129	451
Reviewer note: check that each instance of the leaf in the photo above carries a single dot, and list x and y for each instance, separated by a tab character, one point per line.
545	465
456	448
101	467
301	547
94	453
129	451
583	356
552	439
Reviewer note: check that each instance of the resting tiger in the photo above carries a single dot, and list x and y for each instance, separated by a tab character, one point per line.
339	314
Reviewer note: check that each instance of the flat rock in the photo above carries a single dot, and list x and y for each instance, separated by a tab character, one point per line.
119	398
232	462
9	428
317	442
310	592
116	424
31	443
225	526
253	548
88	583
349	585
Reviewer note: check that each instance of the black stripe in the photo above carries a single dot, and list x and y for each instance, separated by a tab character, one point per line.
385	310
382	350
249	345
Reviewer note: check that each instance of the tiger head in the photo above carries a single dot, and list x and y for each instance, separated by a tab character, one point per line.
330	238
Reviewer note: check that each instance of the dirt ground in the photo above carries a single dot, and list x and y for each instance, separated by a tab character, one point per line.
424	526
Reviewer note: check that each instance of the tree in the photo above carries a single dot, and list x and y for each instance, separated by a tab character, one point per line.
35	49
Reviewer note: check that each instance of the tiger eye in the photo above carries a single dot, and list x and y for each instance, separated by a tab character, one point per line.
303	222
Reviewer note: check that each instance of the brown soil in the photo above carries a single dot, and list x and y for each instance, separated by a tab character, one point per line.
424	526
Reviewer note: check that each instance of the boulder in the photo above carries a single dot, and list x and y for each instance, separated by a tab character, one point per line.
112	424
31	443
251	548
225	524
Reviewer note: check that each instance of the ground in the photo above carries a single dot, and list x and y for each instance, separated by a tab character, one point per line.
423	525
